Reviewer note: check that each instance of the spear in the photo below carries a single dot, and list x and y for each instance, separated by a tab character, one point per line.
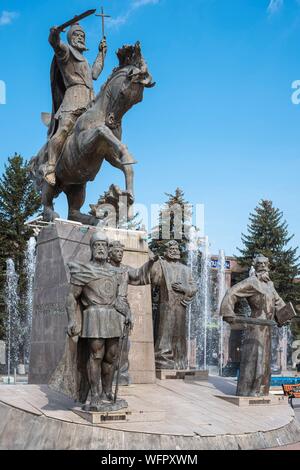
124	335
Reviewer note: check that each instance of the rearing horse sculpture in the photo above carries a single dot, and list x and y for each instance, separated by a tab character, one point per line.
96	137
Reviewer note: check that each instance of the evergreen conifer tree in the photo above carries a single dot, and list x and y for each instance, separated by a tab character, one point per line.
268	234
19	201
174	224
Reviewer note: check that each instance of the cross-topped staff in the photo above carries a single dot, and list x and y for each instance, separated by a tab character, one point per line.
102	15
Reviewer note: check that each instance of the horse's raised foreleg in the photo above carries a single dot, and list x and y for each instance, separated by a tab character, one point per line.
124	163
119	157
125	158
76	197
48	194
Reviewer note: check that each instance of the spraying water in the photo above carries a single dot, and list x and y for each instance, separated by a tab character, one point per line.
205	298
30	261
221	294
200	334
12	322
193	248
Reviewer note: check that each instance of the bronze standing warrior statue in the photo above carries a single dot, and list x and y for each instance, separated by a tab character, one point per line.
102	291
98	309
267	310
84	130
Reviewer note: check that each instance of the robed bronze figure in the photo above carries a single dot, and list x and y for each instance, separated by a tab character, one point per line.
268	310
176	291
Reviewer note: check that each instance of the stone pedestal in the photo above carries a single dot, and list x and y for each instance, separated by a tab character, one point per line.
187	375
58	244
254	401
127	415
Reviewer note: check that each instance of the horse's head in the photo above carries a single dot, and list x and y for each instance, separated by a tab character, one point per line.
132	56
125	87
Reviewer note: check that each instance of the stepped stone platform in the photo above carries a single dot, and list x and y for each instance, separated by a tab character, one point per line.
182	416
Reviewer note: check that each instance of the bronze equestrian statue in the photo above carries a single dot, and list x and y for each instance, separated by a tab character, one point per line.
96	135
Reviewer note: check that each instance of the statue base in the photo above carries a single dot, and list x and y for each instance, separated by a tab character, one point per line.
94	417
254	401
129	415
187	375
106	406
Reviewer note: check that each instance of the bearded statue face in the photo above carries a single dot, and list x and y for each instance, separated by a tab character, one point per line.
78	40
262	268
100	251
173	252
262	265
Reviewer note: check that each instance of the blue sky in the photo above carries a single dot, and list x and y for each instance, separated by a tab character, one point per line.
220	122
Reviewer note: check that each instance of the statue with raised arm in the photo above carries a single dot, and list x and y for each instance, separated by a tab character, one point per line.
267	310
84	131
72	89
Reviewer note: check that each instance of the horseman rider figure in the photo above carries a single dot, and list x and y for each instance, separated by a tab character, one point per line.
72	89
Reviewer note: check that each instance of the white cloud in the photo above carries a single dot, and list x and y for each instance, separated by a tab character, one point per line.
118	21
275	6
141	3
7	17
134	5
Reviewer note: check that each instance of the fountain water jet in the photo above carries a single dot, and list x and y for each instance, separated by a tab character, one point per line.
221	293
193	252
30	261
205	297
12	322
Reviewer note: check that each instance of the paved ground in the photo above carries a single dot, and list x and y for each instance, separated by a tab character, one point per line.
192	415
296	403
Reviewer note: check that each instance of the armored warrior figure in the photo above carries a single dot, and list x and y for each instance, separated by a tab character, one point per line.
102	291
72	89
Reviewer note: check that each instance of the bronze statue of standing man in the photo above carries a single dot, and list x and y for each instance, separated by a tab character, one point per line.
267	310
101	290
177	290
136	277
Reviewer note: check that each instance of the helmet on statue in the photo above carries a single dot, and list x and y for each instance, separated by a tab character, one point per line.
98	236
